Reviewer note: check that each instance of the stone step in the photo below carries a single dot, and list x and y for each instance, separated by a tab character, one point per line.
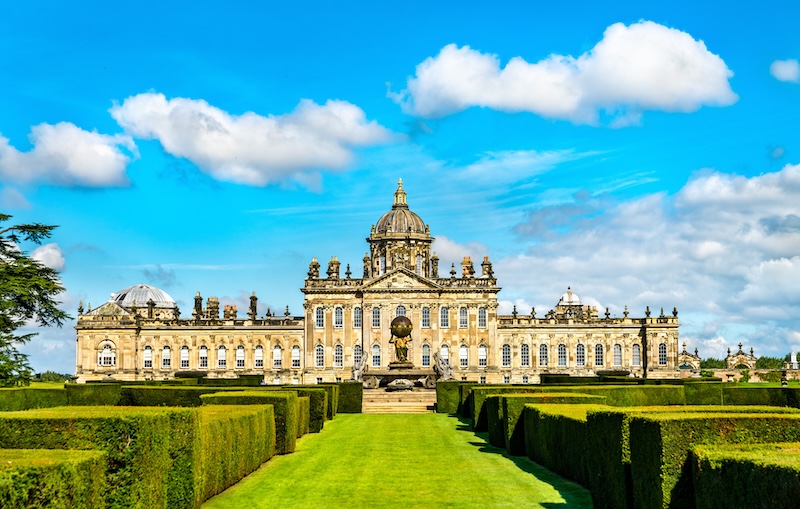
397	408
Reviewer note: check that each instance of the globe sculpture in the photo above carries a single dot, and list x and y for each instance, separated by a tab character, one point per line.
401	328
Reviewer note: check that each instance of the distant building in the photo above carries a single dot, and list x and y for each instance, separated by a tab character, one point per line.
139	333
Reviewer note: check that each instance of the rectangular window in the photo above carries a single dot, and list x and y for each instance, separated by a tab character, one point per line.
524	379
319	318
295	357
444	318
462	318
482	356
357	318
426	318
204	358
376	318
259	357
166	358
481	318
506	379
277	358
463	356
319	379
338	318
148	357
240	357
184	358
483	379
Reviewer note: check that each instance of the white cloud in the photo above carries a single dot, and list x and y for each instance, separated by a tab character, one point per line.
11	198
644	66
49	255
451	252
785	70
66	155
250	148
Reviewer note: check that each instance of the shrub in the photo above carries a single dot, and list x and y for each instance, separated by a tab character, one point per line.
31	478
333	396
703	393
447	397
303	409
480	420
738	395
143	395
240	381
28	397
318	399
351	397
93	394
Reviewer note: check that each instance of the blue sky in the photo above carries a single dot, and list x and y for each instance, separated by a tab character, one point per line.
643	153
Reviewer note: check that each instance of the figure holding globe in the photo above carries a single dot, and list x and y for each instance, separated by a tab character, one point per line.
401	328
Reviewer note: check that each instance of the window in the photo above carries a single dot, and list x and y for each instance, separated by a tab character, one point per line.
525	355
107	357
277	357
636	359
357	318
481	318
383	264
524	379
338	356
295	356
543	361
426	355
506	379
662	354
463	356
319	356
184	357
482	356
203	357
506	356
338	318
319	320
445	352
482	379
357	355
376	317
617	355
259	357
400	311
462	318
148	357
426	317
221	359
376	356
319	379
419	264
598	354
240	356
166	358
444	318
562	355
580	355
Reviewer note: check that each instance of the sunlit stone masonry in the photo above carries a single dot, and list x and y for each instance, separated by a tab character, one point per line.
139	333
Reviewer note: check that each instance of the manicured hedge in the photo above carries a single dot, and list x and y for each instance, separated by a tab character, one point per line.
318	403
93	394
762	475
447	397
703	393
660	445
351	397
285	406
23	398
303	409
37	478
755	395
241	381
162	395
479	416
465	395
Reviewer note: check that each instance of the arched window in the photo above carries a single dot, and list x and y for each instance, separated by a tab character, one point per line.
580	355
338	318
166	358
107	356
184	357
338	356
506	355
277	357
525	355
376	356
598	354
426	317
203	364
562	355
221	357
426	355
481	318
258	356
295	356
444	318
376	317
319	320
400	311
463	356
319	356
462	318
617	355
357	355
636	356
662	354
482	355
147	355
543	361
445	352
240	356
357	318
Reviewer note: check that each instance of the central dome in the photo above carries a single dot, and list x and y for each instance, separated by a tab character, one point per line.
141	295
400	219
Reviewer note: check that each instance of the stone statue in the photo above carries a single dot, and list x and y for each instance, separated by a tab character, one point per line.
400	348
359	369
401	328
442	368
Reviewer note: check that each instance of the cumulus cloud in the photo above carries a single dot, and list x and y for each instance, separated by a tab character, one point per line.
785	70
249	148
49	255
451	252
11	198
643	66
66	155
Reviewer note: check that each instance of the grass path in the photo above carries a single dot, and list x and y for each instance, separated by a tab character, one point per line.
400	461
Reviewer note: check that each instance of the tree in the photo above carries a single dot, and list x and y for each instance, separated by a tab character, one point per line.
769	363
27	293
712	363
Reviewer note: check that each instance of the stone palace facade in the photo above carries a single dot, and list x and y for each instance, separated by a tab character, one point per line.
139	334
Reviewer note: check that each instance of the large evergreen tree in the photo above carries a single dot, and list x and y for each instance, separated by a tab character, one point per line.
27	293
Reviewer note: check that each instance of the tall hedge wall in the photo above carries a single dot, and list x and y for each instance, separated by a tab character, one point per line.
660	445
318	399
479	416
24	398
703	393
55	479
303	410
448	398
351	397
93	394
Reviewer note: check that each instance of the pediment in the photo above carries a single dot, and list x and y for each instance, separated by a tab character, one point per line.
401	279
108	309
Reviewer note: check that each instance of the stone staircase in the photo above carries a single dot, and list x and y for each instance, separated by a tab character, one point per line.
418	401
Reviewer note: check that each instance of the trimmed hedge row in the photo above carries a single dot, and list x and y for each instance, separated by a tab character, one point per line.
480	420
93	394
285	407
303	410
23	398
660	447
448	399
763	475
31	478
351	397
774	396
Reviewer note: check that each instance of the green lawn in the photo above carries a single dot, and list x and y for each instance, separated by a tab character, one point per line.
400	461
